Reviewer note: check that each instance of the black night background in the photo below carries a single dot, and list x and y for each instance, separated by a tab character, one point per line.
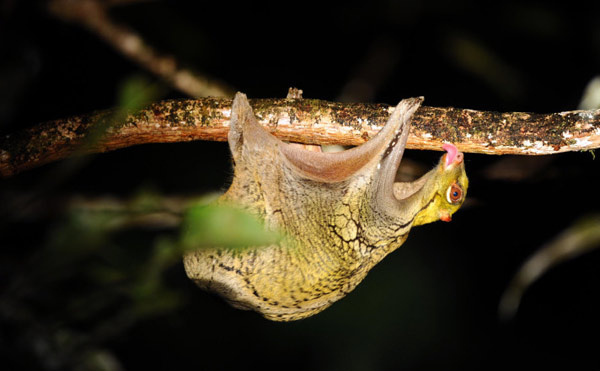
76	294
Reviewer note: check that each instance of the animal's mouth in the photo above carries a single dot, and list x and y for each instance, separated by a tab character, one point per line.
445	217
452	158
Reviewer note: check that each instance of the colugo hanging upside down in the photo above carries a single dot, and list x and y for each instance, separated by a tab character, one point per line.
341	213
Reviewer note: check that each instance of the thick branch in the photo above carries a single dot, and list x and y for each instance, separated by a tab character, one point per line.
300	120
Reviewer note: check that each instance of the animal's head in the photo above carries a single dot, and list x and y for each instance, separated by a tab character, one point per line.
447	184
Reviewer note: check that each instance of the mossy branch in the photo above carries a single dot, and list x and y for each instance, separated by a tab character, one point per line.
306	121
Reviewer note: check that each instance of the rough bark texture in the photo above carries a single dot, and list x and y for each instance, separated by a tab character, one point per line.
308	121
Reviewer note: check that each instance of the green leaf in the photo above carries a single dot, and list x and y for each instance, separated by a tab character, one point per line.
225	226
137	91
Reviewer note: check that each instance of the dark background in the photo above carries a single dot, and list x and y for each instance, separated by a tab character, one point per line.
430	305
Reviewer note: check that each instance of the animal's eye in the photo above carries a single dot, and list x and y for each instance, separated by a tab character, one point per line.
454	194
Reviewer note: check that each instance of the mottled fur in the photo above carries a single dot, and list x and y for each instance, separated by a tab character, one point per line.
341	214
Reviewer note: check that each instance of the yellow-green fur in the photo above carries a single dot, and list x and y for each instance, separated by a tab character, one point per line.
341	214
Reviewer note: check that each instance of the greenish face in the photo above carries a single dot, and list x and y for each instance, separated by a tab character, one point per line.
447	191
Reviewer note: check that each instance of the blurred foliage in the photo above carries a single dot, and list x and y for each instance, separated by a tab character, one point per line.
96	270
102	270
137	91
99	277
226	226
134	92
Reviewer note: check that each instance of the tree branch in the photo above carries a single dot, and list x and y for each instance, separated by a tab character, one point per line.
93	15
306	121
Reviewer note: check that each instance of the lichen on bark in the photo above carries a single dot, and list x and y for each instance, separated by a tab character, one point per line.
308	121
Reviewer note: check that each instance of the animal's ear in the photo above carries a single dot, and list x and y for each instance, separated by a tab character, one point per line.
383	152
244	130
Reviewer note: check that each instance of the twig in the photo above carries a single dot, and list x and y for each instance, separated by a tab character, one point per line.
574	241
306	121
93	15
